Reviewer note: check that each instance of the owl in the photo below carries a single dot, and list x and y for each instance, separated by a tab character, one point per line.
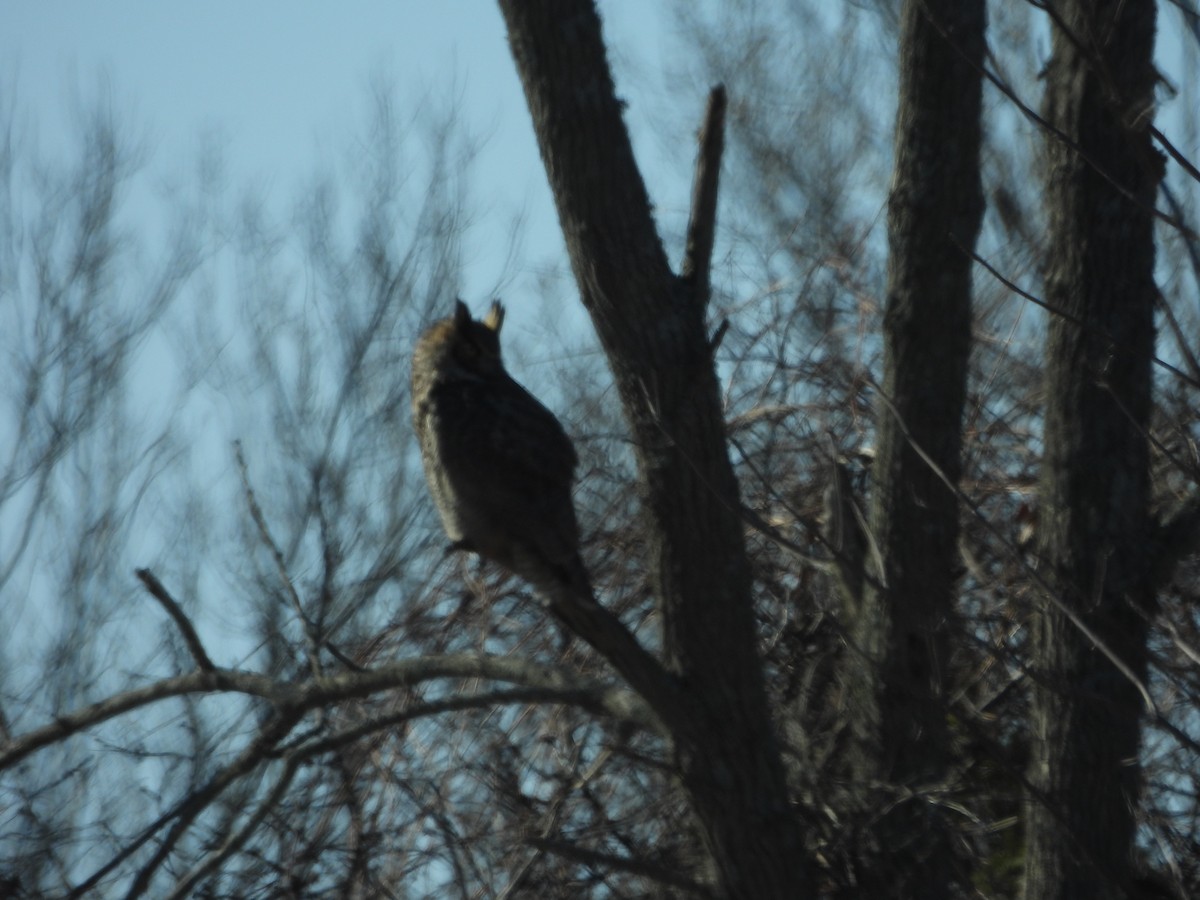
498	463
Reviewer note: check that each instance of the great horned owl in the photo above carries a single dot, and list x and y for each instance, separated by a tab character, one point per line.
499	464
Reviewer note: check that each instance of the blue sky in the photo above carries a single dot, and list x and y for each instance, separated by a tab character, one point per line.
282	85
278	84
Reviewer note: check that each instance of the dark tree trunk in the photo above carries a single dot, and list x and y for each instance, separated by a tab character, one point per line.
651	324
903	629
1095	527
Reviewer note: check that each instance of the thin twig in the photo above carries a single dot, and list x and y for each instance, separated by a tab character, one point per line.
1178	537
260	522
1189	241
159	593
81	719
197	801
640	867
603	702
1175	154
1074	320
239	837
878	581
1074	146
1180	338
552	819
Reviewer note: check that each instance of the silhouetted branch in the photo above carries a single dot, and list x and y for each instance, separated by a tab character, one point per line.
620	863
602	702
237	838
702	225
260	521
197	801
159	593
1068	317
317	692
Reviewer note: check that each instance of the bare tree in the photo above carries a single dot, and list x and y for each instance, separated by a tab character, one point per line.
1095	532
651	323
904	628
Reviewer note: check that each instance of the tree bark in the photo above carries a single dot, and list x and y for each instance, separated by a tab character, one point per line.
1095	527
651	324
896	670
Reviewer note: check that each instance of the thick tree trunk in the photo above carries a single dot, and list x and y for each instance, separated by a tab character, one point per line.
651	324
903	629
1095	526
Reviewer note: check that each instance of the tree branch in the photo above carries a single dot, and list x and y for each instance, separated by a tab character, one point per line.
159	593
1067	316
197	801
237	838
592	701
310	636
596	858
1046	588
317	692
656	342
111	707
702	224
607	634
552	818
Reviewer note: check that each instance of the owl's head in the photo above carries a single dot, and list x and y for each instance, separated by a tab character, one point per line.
460	346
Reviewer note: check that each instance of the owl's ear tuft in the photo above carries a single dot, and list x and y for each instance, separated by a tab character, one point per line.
462	315
495	316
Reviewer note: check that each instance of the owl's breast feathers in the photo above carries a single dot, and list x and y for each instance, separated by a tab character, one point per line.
500	467
501	425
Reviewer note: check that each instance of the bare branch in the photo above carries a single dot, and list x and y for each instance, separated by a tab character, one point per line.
1181	340
604	631
608	703
235	840
159	593
1183	161
260	522
111	707
702	225
318	692
552	819
1068	317
620	863
1059	135
1189	237
199	800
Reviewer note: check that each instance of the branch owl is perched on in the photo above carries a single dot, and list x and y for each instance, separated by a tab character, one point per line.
499	464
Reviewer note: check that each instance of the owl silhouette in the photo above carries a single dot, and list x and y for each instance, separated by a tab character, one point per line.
499	464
